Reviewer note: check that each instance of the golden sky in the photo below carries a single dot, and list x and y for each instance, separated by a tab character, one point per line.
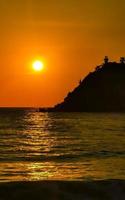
70	36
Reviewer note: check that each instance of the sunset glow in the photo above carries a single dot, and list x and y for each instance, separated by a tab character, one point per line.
69	37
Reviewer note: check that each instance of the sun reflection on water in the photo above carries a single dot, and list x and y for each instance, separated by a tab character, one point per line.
31	171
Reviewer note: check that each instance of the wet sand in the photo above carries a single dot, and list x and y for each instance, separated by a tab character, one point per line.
63	190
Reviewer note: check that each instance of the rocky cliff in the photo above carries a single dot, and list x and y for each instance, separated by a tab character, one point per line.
102	90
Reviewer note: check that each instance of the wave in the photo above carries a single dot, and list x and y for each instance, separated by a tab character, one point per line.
60	158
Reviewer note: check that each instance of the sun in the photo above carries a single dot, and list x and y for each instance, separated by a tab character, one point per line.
38	65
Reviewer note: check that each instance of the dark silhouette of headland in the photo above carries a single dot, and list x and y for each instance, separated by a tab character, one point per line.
102	90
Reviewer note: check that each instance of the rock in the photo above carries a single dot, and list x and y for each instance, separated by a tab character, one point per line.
102	90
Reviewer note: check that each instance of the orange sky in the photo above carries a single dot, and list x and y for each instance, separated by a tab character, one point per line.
70	36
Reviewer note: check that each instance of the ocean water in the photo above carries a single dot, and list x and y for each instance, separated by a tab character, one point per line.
61	146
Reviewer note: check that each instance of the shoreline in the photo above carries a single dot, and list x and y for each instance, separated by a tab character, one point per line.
63	190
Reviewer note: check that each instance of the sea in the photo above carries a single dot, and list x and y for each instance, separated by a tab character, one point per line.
61	146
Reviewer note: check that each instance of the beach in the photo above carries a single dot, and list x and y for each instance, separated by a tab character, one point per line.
64	190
